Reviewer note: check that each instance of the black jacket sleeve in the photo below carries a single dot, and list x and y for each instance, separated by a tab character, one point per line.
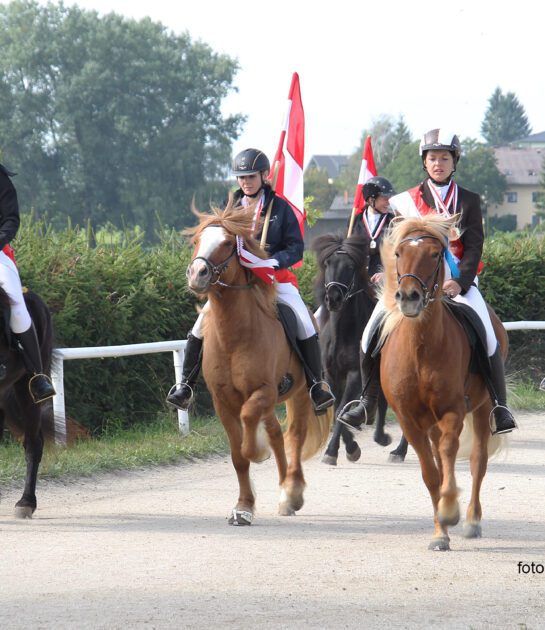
291	245
9	209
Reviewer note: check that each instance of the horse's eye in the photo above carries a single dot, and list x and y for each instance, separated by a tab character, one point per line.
397	255
435	255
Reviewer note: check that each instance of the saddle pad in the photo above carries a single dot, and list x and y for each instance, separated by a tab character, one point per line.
475	332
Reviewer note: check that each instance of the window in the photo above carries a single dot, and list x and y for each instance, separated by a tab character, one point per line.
536	196
511	197
532	173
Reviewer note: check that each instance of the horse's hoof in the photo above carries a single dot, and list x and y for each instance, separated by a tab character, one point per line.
285	509
440	544
384	440
354	455
241	517
329	459
396	457
23	511
472	530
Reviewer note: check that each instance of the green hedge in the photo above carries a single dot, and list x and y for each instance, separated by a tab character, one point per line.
119	292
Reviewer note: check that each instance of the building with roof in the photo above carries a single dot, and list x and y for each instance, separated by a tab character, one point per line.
522	168
333	221
333	165
535	141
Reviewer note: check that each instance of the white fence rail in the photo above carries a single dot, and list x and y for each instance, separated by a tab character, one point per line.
176	347
60	355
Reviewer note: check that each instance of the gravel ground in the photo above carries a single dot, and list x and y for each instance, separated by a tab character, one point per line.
152	549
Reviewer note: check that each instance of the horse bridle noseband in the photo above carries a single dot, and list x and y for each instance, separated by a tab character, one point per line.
217	270
346	290
429	296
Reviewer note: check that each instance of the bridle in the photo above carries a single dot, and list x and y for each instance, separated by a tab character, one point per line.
347	290
429	296
217	270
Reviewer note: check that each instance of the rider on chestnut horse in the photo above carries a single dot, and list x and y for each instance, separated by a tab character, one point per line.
285	245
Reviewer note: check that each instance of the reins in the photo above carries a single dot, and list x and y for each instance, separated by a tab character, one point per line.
429	296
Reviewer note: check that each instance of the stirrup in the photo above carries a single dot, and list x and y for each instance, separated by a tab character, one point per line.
327	403
353	427
174	389
493	428
36	400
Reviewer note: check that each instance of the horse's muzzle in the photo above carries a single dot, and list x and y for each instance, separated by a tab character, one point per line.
199	276
410	303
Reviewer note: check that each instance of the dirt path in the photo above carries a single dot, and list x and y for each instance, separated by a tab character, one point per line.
152	549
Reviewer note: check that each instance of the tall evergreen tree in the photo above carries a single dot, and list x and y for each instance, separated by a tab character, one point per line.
505	119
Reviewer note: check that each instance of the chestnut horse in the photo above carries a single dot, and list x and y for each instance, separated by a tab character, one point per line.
248	365
425	371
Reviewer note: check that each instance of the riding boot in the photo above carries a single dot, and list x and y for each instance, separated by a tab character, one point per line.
503	417
182	397
365	411
39	385
311	354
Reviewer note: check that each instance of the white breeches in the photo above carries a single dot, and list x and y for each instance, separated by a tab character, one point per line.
287	294
472	298
11	283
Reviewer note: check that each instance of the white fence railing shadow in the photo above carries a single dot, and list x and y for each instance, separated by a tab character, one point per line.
177	348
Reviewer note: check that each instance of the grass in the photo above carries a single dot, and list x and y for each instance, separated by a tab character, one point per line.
120	449
160	443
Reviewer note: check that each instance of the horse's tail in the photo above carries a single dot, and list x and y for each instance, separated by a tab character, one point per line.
496	443
318	427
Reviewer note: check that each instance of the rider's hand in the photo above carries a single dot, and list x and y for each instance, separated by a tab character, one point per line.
451	288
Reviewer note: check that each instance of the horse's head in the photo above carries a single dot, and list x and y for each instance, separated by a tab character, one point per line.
215	260
413	256
343	268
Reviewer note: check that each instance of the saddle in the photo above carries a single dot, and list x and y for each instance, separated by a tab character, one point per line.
289	322
476	335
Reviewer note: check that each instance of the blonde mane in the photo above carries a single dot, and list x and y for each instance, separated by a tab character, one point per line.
400	228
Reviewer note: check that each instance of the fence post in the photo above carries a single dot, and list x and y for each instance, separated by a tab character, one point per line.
183	418
59	414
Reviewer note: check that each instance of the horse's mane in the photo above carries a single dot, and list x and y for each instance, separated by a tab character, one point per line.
327	244
238	220
400	227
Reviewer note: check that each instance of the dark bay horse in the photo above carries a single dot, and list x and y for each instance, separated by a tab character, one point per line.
347	299
248	364
425	370
17	409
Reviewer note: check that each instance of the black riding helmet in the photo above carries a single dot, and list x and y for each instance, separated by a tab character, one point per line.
250	161
376	187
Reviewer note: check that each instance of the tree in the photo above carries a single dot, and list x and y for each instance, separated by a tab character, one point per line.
317	186
478	171
110	119
405	171
388	139
505	119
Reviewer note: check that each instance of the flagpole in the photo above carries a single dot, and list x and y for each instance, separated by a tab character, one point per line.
267	220
352	221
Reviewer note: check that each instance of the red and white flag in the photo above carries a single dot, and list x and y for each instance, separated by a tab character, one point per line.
288	161
262	268
367	170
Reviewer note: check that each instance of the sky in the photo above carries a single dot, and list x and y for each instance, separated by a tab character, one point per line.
434	63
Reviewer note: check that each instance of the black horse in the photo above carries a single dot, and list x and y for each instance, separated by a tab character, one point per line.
347	299
17	410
